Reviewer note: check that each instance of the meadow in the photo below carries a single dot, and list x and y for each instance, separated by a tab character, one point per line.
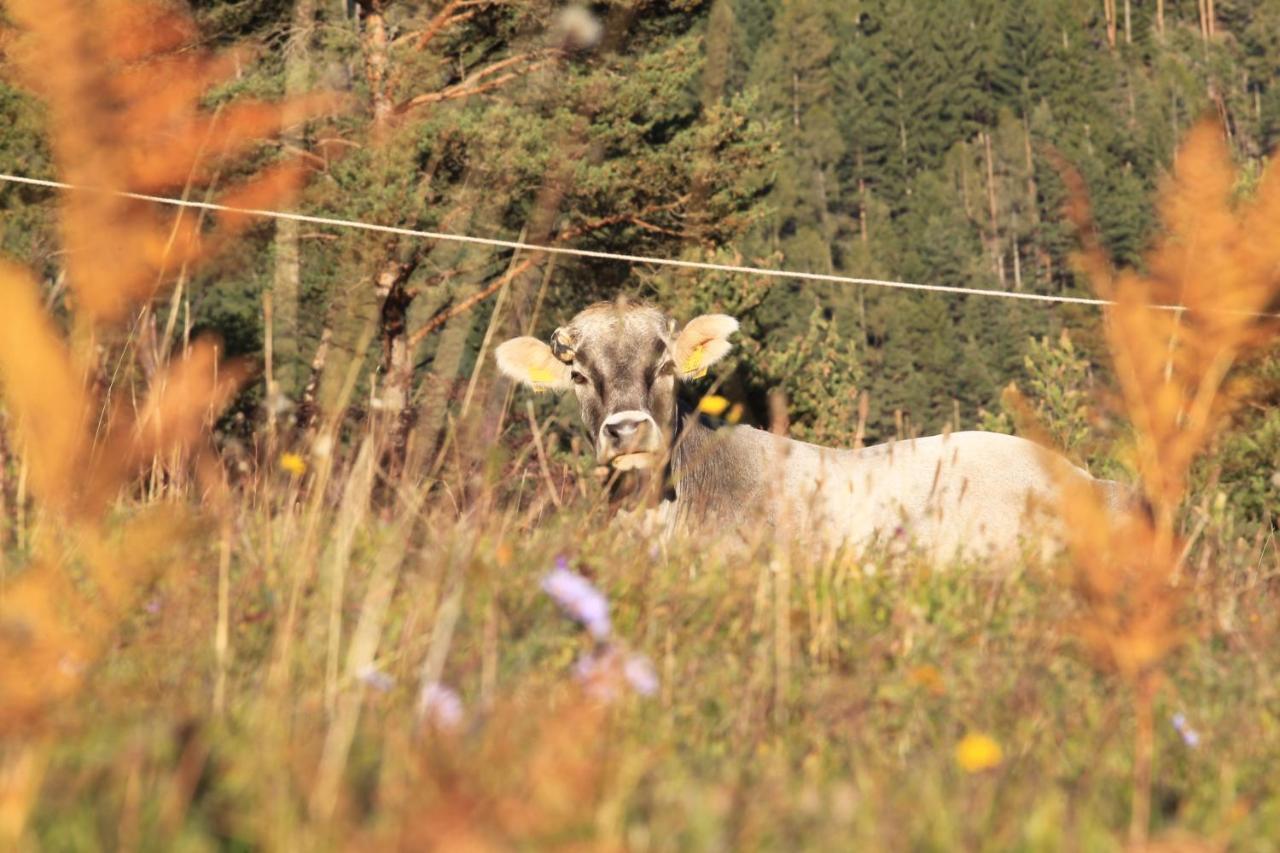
284	700
274	637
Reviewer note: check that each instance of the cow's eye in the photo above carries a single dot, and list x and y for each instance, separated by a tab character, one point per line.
578	378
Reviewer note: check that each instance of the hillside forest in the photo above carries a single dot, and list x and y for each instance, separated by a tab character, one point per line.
915	141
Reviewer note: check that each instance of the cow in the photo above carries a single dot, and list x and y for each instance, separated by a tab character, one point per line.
962	494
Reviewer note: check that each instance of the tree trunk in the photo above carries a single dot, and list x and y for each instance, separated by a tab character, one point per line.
902	136
1204	10
820	181
1032	192
719	51
394	299
1128	23
1109	12
997	252
862	200
1033	195
375	62
308	406
1017	261
353	325
286	282
1160	17
795	101
446	370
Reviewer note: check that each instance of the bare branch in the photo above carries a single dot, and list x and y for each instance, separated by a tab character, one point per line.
471	301
302	153
472	85
450	15
442	19
519	269
631	218
649	226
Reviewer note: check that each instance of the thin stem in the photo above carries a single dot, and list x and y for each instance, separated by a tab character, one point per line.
1143	753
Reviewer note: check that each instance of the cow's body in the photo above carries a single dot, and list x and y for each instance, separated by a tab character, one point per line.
960	494
967	493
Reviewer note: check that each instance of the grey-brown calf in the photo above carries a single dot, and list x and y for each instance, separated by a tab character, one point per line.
961	494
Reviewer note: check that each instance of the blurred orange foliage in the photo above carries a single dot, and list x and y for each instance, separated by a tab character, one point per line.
1218	257
1220	260
124	89
544	777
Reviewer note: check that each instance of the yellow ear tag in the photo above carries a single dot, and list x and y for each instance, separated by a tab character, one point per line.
692	367
540	377
713	404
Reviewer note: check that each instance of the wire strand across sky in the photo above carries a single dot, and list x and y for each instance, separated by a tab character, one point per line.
590	253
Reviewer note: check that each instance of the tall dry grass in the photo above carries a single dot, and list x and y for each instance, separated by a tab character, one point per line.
1217	255
124	87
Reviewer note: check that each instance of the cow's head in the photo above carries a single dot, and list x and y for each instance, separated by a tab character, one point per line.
622	360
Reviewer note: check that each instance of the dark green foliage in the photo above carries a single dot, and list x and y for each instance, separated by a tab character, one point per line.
1245	468
912	140
25	216
920	141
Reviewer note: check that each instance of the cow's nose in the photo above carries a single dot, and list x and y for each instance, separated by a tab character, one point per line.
622	431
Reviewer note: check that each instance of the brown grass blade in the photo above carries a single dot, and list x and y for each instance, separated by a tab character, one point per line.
45	394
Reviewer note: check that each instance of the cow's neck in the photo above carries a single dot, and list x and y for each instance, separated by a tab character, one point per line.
710	470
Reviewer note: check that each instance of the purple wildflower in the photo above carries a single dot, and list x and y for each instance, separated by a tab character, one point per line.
1190	736
152	606
375	678
640	675
440	706
593	672
579	598
602	673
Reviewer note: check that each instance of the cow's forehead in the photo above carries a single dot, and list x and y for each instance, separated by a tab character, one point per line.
619	327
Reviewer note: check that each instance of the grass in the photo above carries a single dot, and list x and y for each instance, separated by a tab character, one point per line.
821	713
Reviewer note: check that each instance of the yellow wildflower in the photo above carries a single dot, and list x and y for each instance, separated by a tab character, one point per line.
503	555
713	404
293	463
977	752
929	678
735	413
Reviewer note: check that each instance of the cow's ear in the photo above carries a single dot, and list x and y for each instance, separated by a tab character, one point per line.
531	361
702	342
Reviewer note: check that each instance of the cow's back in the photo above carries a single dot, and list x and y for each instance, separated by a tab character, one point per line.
970	493
965	493
962	494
